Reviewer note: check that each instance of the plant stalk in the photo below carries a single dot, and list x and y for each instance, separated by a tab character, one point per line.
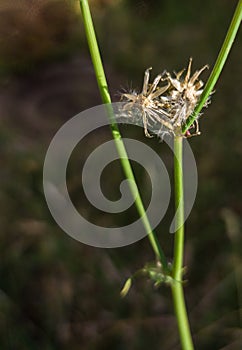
219	64
177	272
125	163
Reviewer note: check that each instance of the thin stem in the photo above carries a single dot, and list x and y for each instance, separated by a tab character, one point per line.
181	316
179	204
222	57
177	286
103	88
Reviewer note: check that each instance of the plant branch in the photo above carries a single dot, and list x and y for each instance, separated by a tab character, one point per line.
222	57
103	88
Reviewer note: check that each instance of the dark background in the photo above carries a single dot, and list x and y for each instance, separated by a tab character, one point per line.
56	293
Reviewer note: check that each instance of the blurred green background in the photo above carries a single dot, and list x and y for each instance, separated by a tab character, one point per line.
56	293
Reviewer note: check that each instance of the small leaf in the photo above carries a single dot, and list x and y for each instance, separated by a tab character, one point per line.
126	288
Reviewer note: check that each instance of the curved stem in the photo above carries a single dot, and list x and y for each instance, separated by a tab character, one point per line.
222	57
177	286
103	88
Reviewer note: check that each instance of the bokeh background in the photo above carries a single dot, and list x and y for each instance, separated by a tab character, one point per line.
56	293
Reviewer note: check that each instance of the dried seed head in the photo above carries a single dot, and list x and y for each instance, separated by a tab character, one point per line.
148	102
169	105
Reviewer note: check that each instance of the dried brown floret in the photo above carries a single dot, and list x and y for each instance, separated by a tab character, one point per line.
183	94
151	107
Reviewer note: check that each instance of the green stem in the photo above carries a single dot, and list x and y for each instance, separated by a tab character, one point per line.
103	88
222	57
179	205
181	316
177	286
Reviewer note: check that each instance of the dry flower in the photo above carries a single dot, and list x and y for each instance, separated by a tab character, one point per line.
168	105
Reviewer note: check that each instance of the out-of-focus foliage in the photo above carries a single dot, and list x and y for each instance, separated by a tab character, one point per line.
33	31
56	293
